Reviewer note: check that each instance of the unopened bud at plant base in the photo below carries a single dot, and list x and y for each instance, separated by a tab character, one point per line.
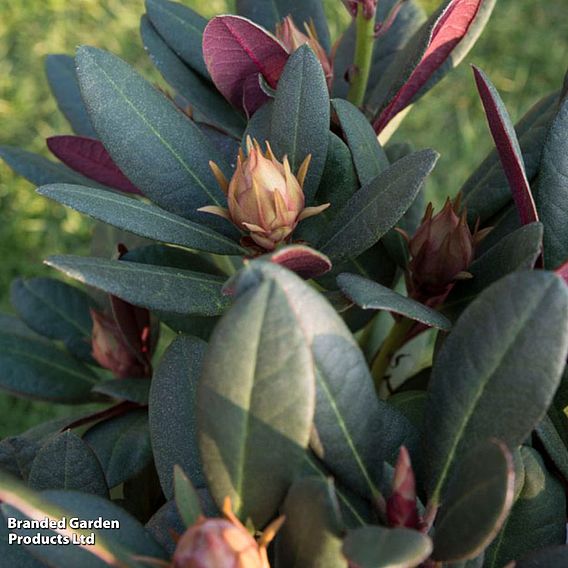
401	505
265	198
441	251
292	38
222	543
110	349
369	7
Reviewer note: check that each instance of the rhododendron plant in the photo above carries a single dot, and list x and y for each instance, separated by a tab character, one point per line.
292	361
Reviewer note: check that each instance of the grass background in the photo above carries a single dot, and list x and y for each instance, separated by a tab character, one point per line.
524	50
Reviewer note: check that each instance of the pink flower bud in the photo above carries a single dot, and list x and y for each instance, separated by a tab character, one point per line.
441	251
222	543
401	505
265	198
292	38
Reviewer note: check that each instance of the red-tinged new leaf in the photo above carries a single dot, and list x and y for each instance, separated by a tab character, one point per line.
562	271
90	158
236	52
401	505
508	147
450	29
304	261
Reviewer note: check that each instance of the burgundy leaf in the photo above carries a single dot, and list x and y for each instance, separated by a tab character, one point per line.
508	147
236	51
90	158
450	29
302	260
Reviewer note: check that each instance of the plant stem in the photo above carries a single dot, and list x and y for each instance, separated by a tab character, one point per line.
365	42
391	345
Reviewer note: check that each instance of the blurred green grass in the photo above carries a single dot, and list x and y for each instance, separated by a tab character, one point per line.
524	50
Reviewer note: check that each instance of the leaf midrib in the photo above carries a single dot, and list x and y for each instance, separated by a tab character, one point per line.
155	132
150	210
185	23
480	391
184	274
54	308
346	434
380	194
47	362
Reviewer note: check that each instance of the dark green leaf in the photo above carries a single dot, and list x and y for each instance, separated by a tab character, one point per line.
553	557
538	518
17	454
518	250
339	179
164	255
411	403
164	524
477	502
66	462
243	437
376	207
355	511
156	146
36	369
258	127
122	445
132	535
169	289
551	191
370	295
55	310
311	535
198	93
133	390
182	29
269	12
62	77
553	444
502	388
380	547
179	258
187	500
14	555
368	155
338	183
374	264
140	218
356	431
109	548
16	326
39	170
300	117
172	413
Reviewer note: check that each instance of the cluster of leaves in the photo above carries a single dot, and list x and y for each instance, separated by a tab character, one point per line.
281	390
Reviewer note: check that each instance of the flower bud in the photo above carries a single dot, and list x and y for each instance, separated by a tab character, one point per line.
110	349
292	38
401	505
264	197
441	251
222	543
